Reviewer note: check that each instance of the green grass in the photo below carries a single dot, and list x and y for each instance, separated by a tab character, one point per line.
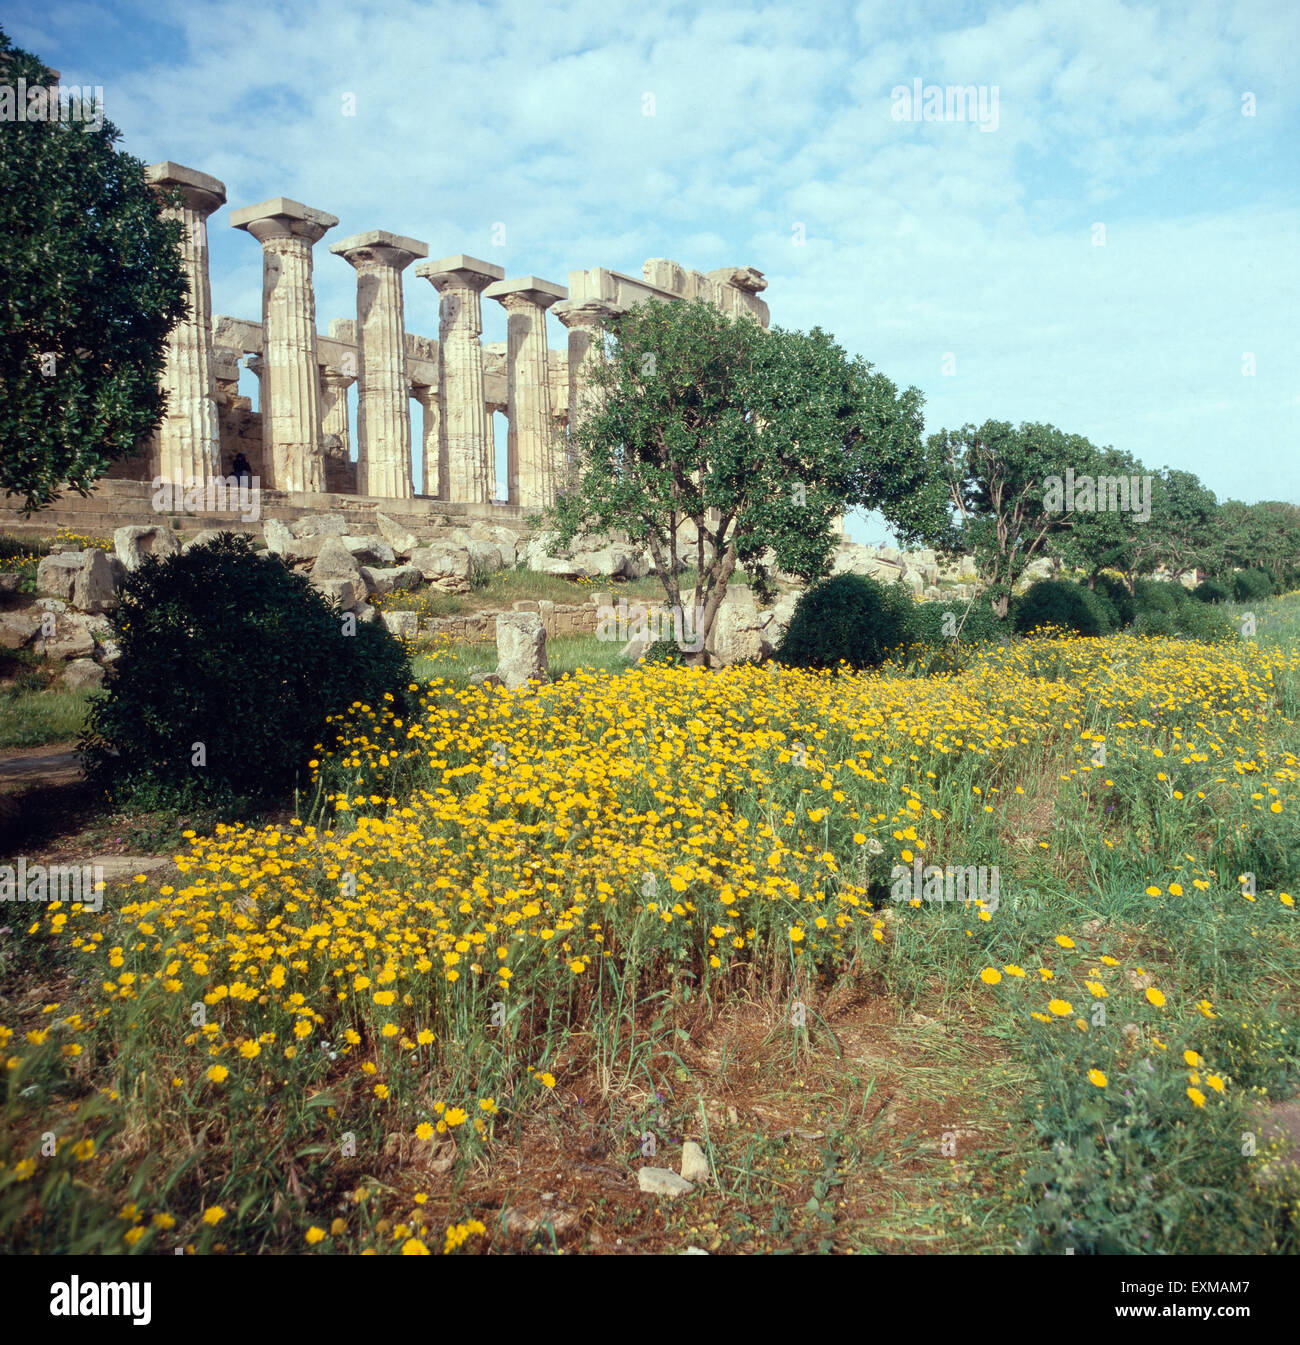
32	718
564	655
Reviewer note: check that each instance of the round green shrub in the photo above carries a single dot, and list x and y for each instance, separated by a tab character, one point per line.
227	648
1116	591
1247	585
847	618
1211	590
1154	595
1192	621
1056	602
977	623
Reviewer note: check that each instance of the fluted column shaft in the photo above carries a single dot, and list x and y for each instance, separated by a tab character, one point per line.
430	466
383	391
291	424
466	455
585	322
188	442
335	425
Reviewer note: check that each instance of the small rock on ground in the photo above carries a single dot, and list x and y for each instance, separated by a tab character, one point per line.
663	1182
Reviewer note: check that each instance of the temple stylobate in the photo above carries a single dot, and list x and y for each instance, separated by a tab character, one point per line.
299	439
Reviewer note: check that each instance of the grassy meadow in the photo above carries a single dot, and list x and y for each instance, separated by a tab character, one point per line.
519	945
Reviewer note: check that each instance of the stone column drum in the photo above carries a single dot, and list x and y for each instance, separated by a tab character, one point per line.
291	422
427	397
531	470
584	320
336	434
466	452
188	442
383	392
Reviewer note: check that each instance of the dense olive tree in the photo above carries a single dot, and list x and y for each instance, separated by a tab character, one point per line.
91	282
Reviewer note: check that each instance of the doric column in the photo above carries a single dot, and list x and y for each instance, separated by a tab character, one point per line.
291	414
531	438
336	438
383	393
466	454
431	468
585	319
189	438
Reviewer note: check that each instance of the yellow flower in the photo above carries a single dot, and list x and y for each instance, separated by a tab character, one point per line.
218	1074
315	1235
1096	1077
1062	1008
1197	1097
1192	1059
1215	1081
1156	997
990	976
1065	941
456	1116
424	1131
548	1080
213	1215
414	1247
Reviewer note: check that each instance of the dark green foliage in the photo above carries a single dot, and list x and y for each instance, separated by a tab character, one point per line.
847	618
1247	585
91	282
1192	621
229	648
1117	593
1211	590
975	623
1055	602
1153	596
664	653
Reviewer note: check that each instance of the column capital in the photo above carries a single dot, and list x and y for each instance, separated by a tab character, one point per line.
377	247
460	272
336	378
283	218
585	313
525	290
203	194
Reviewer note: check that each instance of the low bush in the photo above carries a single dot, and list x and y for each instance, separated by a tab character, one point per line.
231	667
1212	590
1247	585
1066	606
934	623
1193	621
847	618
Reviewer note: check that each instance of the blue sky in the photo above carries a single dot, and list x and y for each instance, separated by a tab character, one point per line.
957	259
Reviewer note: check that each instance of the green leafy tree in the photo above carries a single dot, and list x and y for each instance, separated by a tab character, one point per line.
1182	532
1103	539
91	282
712	442
996	475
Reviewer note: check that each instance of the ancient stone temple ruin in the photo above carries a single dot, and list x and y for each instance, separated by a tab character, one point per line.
300	440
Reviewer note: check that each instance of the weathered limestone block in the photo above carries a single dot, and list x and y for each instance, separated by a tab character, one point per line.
383	417
399	580
95	586
277	536
401	539
201	538
466	453
349	593
83	673
369	550
188	442
445	565
291	418
17	629
56	574
133	544
521	649
405	625
531	470
335	561
71	639
320	525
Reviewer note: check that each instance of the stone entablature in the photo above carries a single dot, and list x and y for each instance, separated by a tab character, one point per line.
300	440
